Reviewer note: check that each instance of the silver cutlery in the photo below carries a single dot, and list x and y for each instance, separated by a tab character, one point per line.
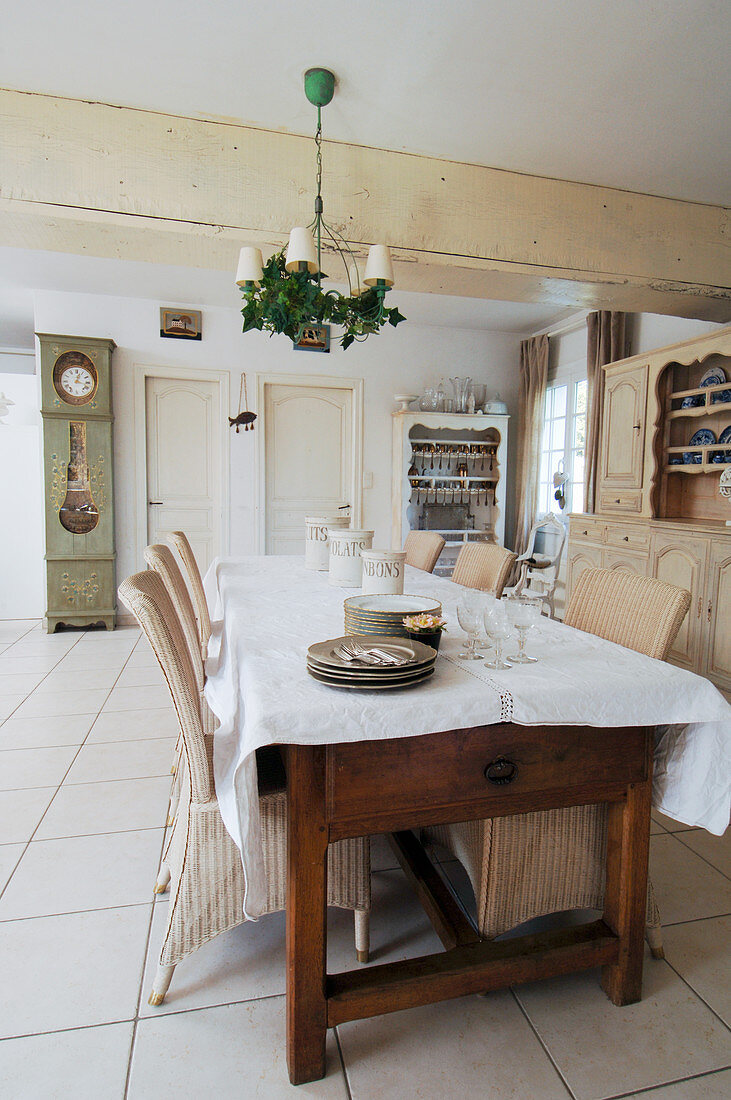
353	651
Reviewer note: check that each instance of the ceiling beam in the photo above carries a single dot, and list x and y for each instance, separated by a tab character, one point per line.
94	179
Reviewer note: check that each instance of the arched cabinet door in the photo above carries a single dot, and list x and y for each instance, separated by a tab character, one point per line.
585	557
681	561
717	615
623	430
625	559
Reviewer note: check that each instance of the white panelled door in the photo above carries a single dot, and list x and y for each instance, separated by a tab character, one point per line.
183	459
308	459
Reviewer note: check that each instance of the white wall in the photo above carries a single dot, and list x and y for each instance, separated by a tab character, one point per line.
654	330
396	361
21	543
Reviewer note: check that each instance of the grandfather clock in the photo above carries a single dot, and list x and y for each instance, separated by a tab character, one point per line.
76	405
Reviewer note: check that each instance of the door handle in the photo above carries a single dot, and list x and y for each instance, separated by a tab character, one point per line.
156	502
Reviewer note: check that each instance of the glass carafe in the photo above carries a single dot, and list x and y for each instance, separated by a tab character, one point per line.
462	388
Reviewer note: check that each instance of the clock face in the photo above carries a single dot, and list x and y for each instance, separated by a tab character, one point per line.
75	378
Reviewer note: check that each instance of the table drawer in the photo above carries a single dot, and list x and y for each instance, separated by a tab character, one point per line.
629	537
410	776
620	500
587	530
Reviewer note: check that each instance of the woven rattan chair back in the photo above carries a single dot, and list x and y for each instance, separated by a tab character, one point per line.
423	549
161	559
483	565
179	541
637	612
527	865
147	598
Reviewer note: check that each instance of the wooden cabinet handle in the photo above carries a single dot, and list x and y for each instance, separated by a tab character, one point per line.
710	608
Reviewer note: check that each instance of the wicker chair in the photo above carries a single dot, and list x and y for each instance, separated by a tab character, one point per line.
529	865
160	558
423	549
207	877
483	565
179	541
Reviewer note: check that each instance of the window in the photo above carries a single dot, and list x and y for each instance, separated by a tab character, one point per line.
564	436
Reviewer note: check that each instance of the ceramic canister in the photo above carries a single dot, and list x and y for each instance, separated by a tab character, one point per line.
346	565
317	555
383	571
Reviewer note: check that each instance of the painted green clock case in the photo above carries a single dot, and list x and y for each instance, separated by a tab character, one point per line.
78	478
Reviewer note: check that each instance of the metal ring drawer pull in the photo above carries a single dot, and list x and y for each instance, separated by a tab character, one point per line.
501	771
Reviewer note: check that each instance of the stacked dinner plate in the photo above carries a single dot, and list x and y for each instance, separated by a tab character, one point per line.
381	614
326	666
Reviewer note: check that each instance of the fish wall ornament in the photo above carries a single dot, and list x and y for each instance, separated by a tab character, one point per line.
246	418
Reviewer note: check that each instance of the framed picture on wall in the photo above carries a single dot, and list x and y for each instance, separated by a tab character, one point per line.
316	338
180	324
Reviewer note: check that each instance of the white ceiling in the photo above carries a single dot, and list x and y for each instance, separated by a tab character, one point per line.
23	271
614	92
617	92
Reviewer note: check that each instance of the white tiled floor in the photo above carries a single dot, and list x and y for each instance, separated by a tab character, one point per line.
86	739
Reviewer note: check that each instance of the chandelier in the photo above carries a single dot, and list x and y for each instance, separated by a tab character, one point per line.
285	295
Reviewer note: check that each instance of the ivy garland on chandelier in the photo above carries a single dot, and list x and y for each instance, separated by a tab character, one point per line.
288	302
285	295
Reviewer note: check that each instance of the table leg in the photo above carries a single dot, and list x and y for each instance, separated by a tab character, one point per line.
306	913
625	904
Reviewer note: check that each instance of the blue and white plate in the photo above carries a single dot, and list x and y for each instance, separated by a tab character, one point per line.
692	458
714	376
721	398
723	437
693	401
704	437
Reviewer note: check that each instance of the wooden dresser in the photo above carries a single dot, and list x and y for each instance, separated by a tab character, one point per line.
659	511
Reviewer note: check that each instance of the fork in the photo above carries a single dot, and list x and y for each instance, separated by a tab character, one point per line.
387	658
366	658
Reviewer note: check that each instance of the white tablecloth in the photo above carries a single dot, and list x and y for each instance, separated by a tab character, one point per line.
268	610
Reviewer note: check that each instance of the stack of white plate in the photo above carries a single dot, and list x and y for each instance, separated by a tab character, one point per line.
384	614
324	664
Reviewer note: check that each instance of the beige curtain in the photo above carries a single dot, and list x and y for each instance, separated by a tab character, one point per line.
606	341
533	379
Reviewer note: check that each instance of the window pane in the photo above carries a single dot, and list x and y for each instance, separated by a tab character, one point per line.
558	434
559	400
581	394
579	431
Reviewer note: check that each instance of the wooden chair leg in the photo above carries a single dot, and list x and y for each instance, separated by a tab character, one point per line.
362	934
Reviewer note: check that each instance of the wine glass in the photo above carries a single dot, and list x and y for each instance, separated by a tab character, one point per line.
524	613
497	626
469	617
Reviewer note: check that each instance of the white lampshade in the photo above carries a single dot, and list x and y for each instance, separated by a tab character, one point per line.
378	266
301	250
250	266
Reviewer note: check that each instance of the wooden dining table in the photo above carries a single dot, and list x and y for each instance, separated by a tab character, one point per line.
415	774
